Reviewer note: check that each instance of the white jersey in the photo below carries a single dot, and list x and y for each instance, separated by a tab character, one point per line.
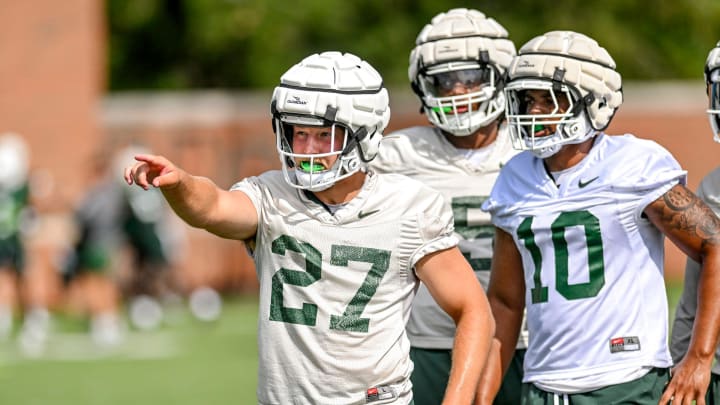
709	191
593	266
335	290
424	153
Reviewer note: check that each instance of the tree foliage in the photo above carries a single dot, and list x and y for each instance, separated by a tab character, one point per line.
181	44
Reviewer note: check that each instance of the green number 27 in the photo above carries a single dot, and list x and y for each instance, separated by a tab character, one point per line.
594	245
340	255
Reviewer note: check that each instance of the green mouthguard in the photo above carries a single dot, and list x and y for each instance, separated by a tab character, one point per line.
305	166
443	109
538	128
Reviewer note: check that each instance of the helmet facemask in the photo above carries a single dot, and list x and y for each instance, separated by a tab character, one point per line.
306	171
565	65
713	88
544	134
456	46
461	97
339	92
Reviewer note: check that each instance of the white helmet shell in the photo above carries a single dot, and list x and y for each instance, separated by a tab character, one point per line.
456	40
572	63
712	80
324	90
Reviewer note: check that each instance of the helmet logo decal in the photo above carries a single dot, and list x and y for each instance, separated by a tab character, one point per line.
447	49
296	100
526	64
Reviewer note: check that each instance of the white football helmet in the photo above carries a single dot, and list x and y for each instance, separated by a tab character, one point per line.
330	89
712	80
461	47
563	63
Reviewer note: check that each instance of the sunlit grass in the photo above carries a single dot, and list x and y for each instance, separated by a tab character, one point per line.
186	362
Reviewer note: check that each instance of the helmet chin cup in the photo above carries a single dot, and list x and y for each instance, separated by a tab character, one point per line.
546	152
313	181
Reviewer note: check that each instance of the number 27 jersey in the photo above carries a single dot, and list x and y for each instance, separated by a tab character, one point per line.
593	266
336	289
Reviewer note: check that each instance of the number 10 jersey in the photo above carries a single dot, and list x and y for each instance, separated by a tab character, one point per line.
593	265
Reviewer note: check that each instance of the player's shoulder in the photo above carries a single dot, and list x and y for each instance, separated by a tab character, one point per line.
411	133
631	163
411	138
271	177
406	189
272	181
409	147
712	180
520	161
709	189
518	174
402	183
633	153
629	144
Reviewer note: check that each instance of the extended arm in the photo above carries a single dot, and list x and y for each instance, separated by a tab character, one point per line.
453	285
506	294
197	200
691	225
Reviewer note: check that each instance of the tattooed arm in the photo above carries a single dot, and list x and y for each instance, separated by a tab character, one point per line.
693	227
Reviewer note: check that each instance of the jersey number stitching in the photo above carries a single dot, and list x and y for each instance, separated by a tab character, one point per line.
594	245
340	255
460	207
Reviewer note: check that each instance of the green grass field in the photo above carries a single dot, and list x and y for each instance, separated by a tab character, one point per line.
188	362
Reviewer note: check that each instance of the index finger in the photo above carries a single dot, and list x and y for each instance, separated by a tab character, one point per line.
150	159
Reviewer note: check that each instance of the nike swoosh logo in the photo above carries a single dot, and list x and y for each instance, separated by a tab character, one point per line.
582	184
362	214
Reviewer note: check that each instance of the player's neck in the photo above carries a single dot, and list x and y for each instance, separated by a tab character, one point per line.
343	190
484	136
569	155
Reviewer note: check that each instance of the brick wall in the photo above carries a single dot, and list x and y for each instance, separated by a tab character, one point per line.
52	75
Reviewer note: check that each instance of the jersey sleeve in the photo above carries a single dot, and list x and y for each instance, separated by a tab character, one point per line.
252	188
431	229
510	190
390	158
647	169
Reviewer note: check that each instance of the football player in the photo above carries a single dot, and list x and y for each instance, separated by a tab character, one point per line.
457	69
709	191
25	282
14	201
339	251
580	218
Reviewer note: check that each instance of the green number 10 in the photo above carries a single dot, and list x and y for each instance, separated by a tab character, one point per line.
593	242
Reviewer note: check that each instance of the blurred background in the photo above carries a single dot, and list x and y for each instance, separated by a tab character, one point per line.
85	83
